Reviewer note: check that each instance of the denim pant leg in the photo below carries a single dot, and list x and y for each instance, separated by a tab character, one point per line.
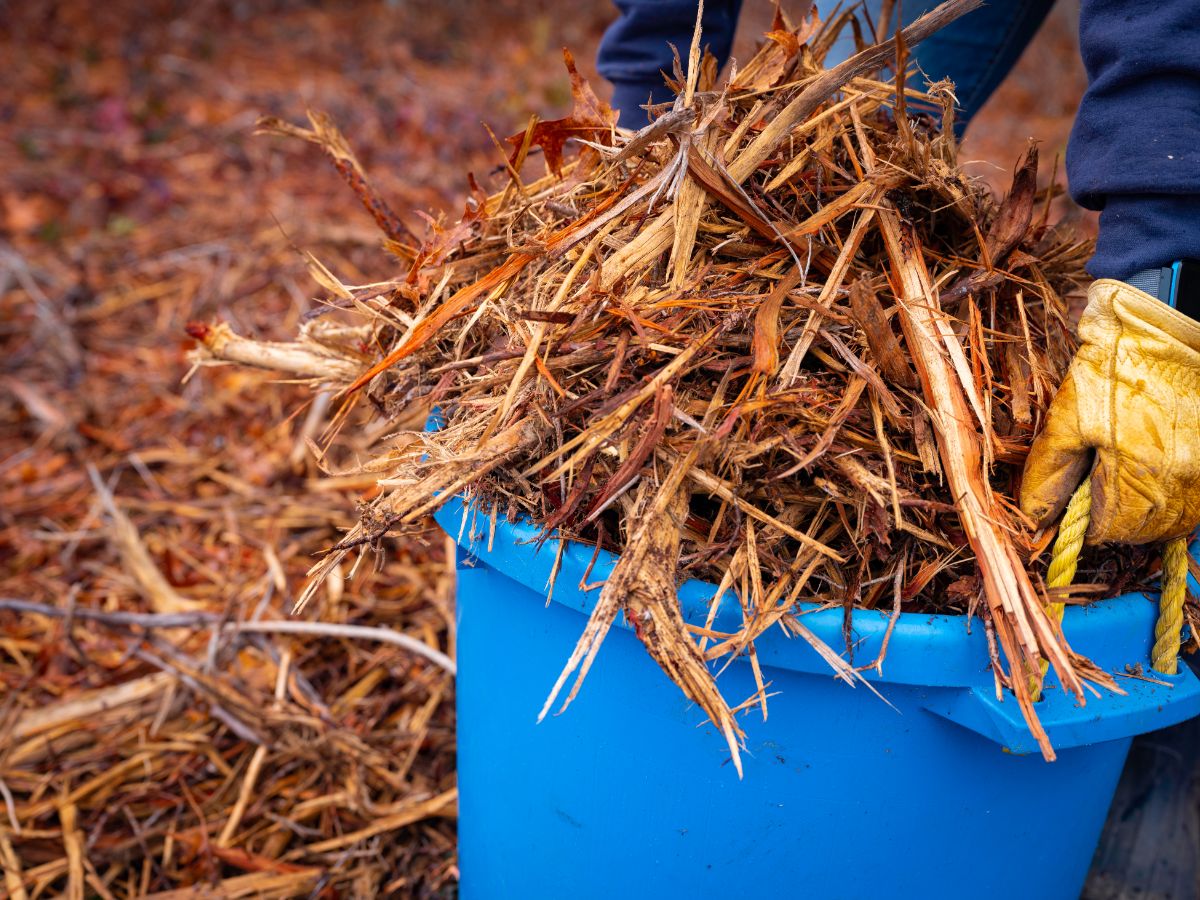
976	52
636	48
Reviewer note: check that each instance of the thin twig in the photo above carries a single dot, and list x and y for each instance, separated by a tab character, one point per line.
210	620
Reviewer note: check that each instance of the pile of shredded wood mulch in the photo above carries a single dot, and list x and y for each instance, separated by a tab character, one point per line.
143	751
166	728
775	340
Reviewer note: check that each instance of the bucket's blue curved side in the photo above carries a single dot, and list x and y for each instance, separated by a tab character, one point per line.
631	793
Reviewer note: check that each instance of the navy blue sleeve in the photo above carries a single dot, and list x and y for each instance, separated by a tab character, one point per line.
636	47
1133	151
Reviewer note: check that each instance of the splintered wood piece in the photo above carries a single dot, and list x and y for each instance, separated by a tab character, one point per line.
327	136
1024	629
689	208
885	347
304	359
765	342
827	82
642	584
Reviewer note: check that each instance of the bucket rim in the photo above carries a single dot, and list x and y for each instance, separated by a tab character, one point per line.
1113	632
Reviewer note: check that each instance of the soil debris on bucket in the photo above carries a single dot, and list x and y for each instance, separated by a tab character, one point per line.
776	340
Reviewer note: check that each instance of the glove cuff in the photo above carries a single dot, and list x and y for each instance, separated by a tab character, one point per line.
1112	302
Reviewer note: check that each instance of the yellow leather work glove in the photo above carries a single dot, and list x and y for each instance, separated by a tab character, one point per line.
1132	395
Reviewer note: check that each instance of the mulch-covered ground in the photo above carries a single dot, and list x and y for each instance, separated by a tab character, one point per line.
145	756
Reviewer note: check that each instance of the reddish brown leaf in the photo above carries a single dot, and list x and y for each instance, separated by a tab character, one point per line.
1016	212
1007	231
770	63
590	119
440	242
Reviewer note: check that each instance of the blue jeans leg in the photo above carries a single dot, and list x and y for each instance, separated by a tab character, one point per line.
976	52
636	48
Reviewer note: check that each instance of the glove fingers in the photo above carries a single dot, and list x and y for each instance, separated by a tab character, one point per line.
1057	460
1131	506
1117	513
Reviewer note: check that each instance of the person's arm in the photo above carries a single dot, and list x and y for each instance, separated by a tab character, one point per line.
1133	152
1132	396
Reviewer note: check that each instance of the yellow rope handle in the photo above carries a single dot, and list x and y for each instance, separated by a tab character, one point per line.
1069	544
1165	655
1064	561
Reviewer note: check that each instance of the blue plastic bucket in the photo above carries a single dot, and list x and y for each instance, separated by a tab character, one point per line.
630	793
